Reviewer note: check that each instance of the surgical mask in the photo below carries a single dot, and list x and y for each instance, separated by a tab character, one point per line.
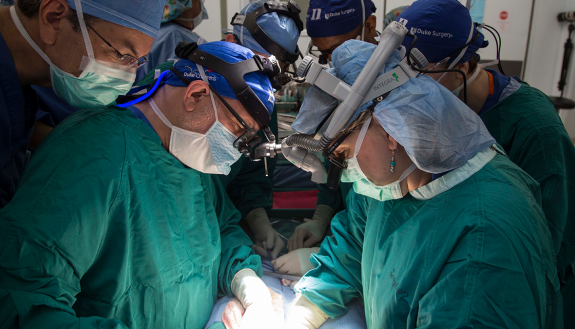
474	76
198	19
99	84
362	185
210	153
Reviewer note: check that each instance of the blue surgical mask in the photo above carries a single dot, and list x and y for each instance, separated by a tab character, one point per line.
99	84
198	19
362	185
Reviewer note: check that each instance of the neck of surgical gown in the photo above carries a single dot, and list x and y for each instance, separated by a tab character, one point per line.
470	250
107	227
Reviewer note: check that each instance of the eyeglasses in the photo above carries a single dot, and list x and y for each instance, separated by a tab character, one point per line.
124	59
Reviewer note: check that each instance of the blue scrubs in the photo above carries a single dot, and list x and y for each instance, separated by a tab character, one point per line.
52	109
17	116
163	48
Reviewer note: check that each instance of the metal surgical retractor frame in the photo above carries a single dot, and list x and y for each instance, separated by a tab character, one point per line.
368	86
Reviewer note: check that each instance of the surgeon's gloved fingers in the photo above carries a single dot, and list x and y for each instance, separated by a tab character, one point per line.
233	313
262	252
273	243
310	242
288	264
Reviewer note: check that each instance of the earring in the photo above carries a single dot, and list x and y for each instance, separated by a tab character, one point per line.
392	161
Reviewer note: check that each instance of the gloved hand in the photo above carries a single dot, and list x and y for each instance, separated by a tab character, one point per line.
234	312
266	237
296	262
312	231
305	315
256	299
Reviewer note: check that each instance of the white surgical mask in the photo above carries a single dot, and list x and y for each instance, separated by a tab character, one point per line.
362	185
210	153
100	82
473	76
198	19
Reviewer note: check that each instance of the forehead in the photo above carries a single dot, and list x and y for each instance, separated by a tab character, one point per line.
126	38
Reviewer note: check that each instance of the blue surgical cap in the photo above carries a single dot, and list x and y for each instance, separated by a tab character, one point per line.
442	28
231	53
437	130
141	15
328	18
280	28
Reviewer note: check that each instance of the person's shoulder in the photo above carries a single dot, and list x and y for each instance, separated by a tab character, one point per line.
529	102
99	130
499	189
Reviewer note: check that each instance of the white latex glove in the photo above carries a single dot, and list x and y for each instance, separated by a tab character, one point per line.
305	315
313	230
233	314
256	298
296	262
267	239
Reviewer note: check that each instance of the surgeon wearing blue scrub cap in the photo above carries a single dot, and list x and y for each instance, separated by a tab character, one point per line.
249	185
280	28
330	23
86	50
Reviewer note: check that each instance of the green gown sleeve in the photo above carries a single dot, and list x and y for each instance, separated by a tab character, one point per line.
51	234
527	126
336	278
237	253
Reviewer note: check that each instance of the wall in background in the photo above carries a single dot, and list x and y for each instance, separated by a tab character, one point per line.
545	54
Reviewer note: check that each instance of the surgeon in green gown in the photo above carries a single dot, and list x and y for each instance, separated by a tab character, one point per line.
521	118
442	230
116	222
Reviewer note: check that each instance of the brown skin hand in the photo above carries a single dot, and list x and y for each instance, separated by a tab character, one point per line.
330	43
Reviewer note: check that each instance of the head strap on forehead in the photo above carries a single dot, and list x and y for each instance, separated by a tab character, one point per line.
234	74
249	21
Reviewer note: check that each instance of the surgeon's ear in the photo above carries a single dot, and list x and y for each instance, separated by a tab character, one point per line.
370	24
195	91
230	38
392	143
50	17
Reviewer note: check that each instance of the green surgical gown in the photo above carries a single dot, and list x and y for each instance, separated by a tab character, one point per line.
476	255
530	131
109	230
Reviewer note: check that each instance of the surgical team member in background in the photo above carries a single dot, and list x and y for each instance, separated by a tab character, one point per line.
116	224
42	42
327	32
520	118
247	185
179	19
469	249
